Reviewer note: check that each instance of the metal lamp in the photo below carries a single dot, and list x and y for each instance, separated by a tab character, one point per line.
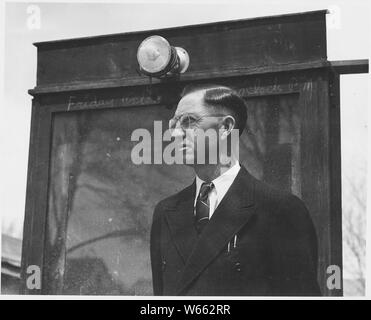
157	58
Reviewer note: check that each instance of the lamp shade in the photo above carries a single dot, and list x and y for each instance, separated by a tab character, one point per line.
157	58
154	54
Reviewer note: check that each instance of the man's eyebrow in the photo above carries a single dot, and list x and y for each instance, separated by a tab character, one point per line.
182	114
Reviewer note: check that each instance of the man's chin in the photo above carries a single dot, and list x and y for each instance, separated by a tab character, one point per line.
191	161
190	158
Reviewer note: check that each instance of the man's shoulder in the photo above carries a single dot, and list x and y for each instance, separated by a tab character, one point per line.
278	202
285	214
173	199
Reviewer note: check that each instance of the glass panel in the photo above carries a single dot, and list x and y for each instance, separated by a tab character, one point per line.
270	147
101	204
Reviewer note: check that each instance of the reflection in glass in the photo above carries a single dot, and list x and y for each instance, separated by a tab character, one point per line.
269	147
101	204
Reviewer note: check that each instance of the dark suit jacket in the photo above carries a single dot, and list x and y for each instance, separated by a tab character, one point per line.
275	252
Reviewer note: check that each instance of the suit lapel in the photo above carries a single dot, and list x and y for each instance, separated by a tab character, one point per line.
231	215
180	218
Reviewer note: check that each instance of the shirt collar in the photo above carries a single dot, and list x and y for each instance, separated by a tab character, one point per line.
221	183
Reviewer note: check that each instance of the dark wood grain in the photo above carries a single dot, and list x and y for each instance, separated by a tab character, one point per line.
213	47
335	173
350	66
37	190
193	76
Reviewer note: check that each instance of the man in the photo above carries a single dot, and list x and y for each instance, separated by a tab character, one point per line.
228	233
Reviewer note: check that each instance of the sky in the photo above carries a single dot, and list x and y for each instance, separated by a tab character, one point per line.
348	37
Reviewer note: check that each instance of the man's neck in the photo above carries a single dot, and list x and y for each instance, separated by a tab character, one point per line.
210	172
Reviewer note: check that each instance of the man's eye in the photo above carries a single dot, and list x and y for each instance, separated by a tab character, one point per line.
191	120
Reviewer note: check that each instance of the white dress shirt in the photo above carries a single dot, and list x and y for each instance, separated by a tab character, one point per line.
221	186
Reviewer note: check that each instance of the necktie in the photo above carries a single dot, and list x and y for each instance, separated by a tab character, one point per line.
203	207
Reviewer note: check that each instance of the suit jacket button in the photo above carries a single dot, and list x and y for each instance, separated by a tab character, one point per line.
163	265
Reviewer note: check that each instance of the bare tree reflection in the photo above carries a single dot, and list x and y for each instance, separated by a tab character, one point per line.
269	148
95	188
69	137
354	229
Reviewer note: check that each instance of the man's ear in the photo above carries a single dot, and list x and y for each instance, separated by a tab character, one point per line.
228	125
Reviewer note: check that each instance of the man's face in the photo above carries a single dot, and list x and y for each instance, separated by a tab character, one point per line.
199	118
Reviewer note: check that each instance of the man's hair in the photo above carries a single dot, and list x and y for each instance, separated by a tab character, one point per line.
218	96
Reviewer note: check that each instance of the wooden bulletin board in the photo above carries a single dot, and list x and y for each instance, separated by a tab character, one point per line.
89	208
